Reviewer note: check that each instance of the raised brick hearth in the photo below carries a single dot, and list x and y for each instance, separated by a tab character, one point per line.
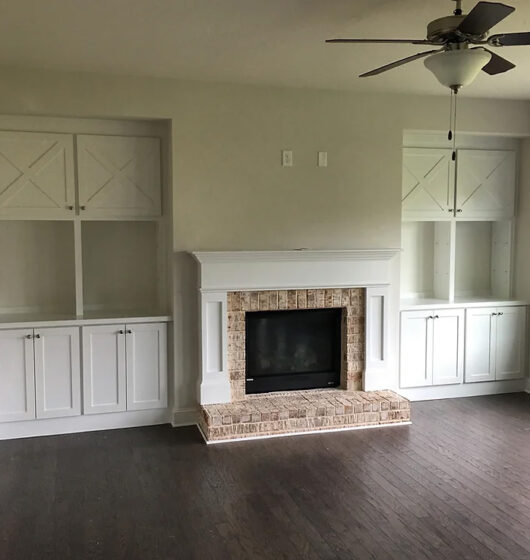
275	414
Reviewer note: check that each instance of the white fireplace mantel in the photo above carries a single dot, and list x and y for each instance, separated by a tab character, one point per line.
221	272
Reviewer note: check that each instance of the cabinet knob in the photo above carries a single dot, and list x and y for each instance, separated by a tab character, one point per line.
436	316
69	207
120	332
37	336
128	331
82	207
501	313
29	336
494	313
450	209
459	210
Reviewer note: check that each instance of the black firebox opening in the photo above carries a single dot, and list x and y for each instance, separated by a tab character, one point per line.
290	350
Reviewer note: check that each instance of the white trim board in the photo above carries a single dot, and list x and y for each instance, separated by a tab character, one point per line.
302	433
185	417
89	423
463	390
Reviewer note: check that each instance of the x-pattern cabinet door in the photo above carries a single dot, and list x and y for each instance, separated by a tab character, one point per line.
485	184
119	176
427	183
36	175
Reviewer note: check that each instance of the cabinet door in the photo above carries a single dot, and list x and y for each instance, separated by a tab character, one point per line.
57	372
510	344
146	366
480	344
36	175
17	387
104	369
416	348
119	175
485	184
448	347
427	183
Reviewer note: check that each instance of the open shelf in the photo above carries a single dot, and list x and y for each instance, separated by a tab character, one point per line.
121	268
37	276
482	259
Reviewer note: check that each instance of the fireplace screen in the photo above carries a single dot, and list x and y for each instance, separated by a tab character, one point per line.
289	350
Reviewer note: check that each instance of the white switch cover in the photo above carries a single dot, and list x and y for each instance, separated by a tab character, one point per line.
287	158
322	159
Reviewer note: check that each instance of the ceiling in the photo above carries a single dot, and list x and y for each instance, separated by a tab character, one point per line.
277	42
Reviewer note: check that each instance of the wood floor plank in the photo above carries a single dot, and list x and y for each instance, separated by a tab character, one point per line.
455	485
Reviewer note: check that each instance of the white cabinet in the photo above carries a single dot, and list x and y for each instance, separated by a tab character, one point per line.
432	347
416	349
146	346
485	184
495	343
57	372
39	373
427	183
119	176
104	369
124	367
36	175
17	384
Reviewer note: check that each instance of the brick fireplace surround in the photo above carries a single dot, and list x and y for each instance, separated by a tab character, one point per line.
351	300
358	283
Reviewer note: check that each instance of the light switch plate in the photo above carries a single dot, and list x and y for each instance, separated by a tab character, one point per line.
287	158
322	159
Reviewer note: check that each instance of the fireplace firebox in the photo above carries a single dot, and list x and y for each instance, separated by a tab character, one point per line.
293	349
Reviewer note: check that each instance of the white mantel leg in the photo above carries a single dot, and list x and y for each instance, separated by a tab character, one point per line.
215	382
376	338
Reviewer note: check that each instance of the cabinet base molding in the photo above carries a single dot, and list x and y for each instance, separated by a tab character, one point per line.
185	417
91	423
465	390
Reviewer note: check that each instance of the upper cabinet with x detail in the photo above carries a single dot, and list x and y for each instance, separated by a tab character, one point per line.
36	175
485	184
119	176
427	184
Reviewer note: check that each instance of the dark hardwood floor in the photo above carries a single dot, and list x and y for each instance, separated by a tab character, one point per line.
454	485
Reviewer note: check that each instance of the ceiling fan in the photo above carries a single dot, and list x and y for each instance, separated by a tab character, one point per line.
457	62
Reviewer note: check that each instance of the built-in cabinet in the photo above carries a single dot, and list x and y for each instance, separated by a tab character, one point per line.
459	323
124	367
40	373
84	281
432	347
495	343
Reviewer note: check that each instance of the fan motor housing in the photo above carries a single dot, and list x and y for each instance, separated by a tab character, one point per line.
444	29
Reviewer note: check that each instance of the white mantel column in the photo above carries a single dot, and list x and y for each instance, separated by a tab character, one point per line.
215	382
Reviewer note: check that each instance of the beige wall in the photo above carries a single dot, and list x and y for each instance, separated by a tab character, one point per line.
229	190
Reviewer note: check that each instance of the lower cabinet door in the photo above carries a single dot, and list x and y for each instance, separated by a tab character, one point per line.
146	366
448	347
510	344
57	372
17	378
480	347
104	379
416	348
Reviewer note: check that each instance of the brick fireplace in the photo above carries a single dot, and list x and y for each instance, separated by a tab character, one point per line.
350	300
233	284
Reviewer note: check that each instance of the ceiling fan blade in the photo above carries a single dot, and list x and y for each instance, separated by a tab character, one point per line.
483	17
398	63
407	41
509	39
497	64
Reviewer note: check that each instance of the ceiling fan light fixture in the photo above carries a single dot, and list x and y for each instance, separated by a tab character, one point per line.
459	67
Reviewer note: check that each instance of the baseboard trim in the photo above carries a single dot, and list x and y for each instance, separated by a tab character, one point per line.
87	423
184	417
464	390
300	433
